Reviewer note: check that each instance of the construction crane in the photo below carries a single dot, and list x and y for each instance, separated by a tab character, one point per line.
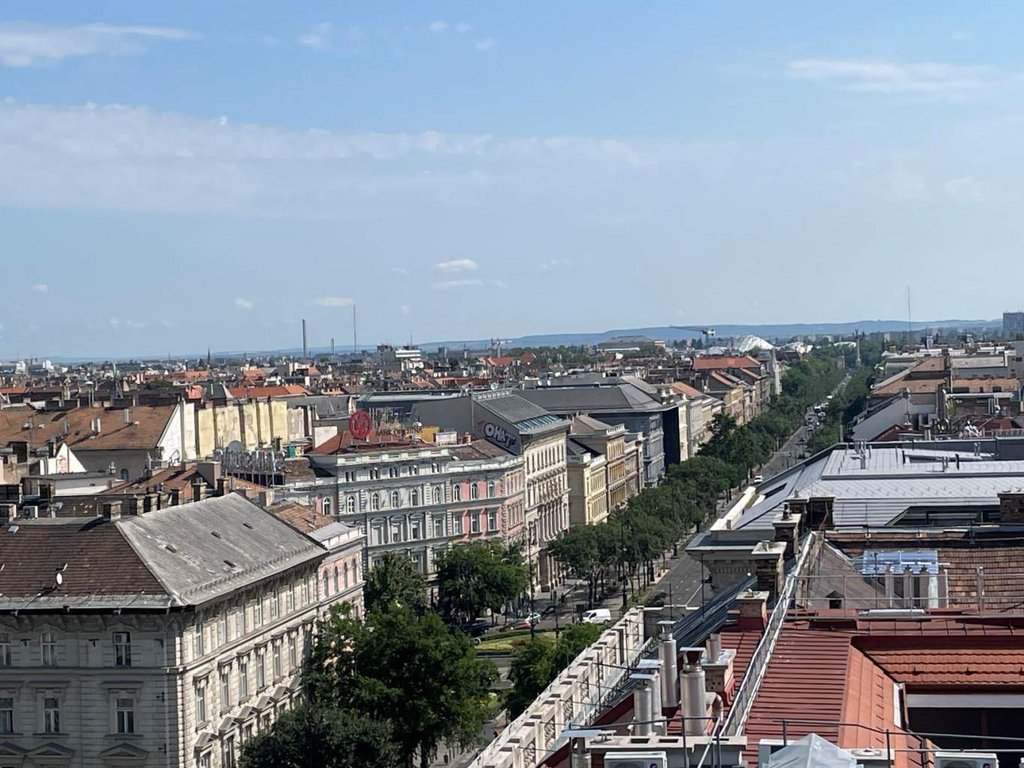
708	333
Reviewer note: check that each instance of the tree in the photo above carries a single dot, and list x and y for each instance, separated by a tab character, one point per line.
530	673
329	738
578	549
573	640
394	580
474	577
397	664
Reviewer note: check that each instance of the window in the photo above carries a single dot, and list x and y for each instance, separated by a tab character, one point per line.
337	586
456	493
225	687
375	502
396	531
392	471
414	497
375	473
457	525
261	669
222	629
200	690
327	506
327	585
344	573
124	714
197	638
377	534
241	621
51	714
122	649
5	649
437	495
438	527
492	520
414	469
243	678
474	521
490	490
349	476
306	589
205	761
275	604
6	715
289	599
276	658
350	505
48	650
293	655
474	491
395	501
228	752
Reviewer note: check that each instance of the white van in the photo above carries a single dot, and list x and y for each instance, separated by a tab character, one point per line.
597	616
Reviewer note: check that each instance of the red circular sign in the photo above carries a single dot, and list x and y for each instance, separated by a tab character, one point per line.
360	424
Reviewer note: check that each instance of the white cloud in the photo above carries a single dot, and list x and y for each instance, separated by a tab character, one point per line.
244	303
40	288
930	79
552	264
438	25
404	309
486	44
31	45
325	37
499	283
400	271
447	285
333	301
456	265
965	189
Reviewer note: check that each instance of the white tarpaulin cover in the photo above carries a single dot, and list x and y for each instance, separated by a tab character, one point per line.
812	751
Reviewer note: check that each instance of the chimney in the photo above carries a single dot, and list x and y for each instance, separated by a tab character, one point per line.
643	705
718	669
111	510
210	471
98	427
692	694
173	497
669	655
651	668
198	488
127	415
1011	507
753	610
8	512
787	530
769	566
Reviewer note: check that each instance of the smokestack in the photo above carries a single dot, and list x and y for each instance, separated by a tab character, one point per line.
691	693
714	647
305	347
669	655
332	346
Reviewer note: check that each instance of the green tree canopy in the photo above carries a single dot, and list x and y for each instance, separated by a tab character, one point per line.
394	580
480	575
399	665
327	738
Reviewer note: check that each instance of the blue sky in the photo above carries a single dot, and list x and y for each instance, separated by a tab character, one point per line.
178	175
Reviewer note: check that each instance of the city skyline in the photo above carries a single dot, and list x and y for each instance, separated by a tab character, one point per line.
176	179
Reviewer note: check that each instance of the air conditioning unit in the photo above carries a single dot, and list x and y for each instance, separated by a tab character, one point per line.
635	760
766	748
966	760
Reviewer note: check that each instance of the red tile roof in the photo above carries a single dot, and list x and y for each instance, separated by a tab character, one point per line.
724	362
147	426
987	663
252	393
344	442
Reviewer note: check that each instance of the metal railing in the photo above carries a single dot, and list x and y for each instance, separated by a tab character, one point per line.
739	711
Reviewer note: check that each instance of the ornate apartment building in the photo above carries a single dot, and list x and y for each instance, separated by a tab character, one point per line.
166	639
414	498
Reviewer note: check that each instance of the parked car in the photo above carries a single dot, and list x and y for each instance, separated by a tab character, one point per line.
758	479
597	616
475	628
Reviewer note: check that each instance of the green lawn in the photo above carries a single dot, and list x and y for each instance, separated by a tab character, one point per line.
506	641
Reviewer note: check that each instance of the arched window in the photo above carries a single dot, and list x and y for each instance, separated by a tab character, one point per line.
437	495
336	586
124	474
344	573
327	505
327	585
414	497
350	505
375	502
474	491
490	490
457	492
394	500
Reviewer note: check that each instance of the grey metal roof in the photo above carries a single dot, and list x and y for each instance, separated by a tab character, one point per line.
605	398
209	548
525	415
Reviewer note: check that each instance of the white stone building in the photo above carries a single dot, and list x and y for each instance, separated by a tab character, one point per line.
167	639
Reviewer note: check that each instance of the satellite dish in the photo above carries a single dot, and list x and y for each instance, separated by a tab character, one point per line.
359	424
234	447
